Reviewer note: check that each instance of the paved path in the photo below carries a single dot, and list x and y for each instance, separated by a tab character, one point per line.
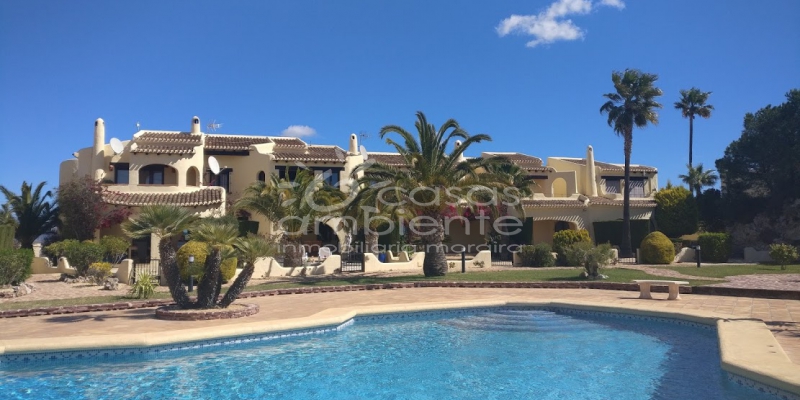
782	316
661	271
50	287
763	281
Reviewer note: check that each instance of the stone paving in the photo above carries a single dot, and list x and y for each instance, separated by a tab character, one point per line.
782	316
50	287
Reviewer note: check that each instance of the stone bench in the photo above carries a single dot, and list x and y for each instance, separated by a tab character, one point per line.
674	292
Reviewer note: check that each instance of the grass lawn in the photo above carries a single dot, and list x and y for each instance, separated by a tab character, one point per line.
721	271
527	275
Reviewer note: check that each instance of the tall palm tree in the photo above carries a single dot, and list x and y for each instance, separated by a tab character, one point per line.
34	214
165	222
249	249
693	102
433	180
370	210
697	179
219	234
633	104
293	206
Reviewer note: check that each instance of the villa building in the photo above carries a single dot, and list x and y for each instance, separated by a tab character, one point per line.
172	167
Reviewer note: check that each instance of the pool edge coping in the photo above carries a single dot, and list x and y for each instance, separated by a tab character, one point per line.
747	346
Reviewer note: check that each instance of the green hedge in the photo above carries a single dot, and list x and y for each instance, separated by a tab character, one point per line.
676	211
611	231
656	248
540	255
562	240
15	265
714	247
6	237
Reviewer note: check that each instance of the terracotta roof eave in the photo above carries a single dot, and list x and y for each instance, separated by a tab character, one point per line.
202	197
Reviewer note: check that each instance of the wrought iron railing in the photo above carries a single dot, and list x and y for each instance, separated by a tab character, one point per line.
152	268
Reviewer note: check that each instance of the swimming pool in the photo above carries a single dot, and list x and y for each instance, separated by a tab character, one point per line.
496	353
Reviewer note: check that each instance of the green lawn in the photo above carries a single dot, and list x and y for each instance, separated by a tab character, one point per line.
721	271
526	275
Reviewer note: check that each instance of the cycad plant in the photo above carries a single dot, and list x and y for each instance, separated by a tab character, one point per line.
166	222
433	180
293	206
632	104
219	234
248	249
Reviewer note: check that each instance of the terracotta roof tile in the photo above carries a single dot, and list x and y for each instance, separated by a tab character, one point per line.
233	143
202	197
612	167
289	142
182	138
163	149
593	201
393	159
524	161
313	153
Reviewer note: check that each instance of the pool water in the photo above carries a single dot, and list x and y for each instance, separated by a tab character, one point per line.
505	353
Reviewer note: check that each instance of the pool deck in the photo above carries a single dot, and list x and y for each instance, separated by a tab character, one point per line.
747	345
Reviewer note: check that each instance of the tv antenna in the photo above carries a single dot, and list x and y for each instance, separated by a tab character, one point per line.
363	135
138	126
213	125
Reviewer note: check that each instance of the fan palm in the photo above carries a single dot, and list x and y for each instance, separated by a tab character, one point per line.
34	214
693	102
370	210
633	104
219	234
249	249
165	222
433	181
293	206
697	179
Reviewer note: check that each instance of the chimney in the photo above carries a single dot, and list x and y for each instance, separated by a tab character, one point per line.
196	126
590	172
98	154
353	149
461	157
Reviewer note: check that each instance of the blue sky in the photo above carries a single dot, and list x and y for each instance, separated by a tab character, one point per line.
533	82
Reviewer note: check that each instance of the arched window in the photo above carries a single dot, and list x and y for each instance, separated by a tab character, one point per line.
158	174
262	176
559	187
192	177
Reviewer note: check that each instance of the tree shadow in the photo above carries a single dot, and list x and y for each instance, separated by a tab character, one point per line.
135	314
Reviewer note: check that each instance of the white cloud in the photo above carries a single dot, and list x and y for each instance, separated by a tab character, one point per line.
299	131
549	26
613	3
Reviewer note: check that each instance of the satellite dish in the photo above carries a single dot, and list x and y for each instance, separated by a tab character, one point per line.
116	145
213	165
363	151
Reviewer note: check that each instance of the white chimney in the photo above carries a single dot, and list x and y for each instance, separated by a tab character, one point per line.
590	172
196	125
98	154
353	149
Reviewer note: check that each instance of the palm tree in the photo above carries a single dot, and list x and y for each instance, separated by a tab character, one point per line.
7	216
633	104
219	234
249	249
165	222
293	206
371	210
693	102
434	180
34	215
697	179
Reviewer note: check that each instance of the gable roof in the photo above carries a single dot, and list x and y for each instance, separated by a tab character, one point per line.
317	153
392	159
166	142
526	162
234	142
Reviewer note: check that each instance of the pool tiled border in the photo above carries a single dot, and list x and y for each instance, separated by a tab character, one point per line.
749	352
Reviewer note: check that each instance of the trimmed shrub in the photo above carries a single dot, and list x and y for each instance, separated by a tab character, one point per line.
656	248
7	237
200	251
15	266
540	255
590	257
714	247
99	271
783	254
116	248
676	211
79	254
611	231
562	240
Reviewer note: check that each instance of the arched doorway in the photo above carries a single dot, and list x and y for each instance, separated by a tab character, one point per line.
192	177
559	187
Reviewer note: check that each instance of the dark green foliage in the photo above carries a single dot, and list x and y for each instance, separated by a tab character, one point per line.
761	170
710	210
656	248
6	236
15	266
611	231
715	247
116	248
783	254
676	211
540	255
247	227
563	239
588	256
79	254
